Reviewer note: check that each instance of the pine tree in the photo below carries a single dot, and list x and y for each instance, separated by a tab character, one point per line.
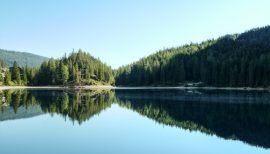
16	74
8	79
64	74
77	75
25	80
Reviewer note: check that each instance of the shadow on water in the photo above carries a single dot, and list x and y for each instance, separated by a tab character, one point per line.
236	115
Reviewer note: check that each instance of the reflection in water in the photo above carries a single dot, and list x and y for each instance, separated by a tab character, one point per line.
76	105
245	116
237	115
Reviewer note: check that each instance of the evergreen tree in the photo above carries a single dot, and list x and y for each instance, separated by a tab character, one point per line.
232	60
8	79
64	73
16	74
25	80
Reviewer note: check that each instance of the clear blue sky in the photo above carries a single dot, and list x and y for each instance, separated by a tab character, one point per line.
121	31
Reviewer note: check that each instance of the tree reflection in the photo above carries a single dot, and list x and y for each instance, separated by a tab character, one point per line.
77	105
246	121
233	115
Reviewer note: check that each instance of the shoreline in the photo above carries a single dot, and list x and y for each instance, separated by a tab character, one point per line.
55	87
129	88
198	88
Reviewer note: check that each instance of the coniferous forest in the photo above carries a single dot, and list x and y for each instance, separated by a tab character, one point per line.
239	60
79	68
21	58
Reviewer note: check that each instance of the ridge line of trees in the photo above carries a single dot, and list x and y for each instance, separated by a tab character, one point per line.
79	68
240	60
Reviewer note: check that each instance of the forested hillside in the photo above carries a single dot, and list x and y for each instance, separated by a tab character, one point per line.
22	58
79	68
240	60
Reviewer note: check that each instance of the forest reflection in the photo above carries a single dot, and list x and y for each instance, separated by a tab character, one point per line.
76	105
236	115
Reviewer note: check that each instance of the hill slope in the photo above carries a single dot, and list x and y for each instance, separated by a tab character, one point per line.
22	58
79	68
240	60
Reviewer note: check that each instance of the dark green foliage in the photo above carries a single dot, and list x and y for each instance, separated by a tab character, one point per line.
230	61
78	69
20	76
1	72
8	79
23	58
25	80
16	74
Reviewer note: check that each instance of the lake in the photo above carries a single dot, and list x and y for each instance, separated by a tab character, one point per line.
131	121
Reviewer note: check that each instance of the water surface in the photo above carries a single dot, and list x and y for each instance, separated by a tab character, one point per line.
134	121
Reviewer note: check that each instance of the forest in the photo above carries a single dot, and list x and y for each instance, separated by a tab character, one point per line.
240	60
22	58
79	68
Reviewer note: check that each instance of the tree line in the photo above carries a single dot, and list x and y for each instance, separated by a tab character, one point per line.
79	68
240	60
16	76
230	61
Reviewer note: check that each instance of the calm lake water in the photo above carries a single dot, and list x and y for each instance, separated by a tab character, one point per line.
134	121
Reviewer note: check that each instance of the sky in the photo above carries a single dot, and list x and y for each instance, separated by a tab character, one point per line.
120	31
